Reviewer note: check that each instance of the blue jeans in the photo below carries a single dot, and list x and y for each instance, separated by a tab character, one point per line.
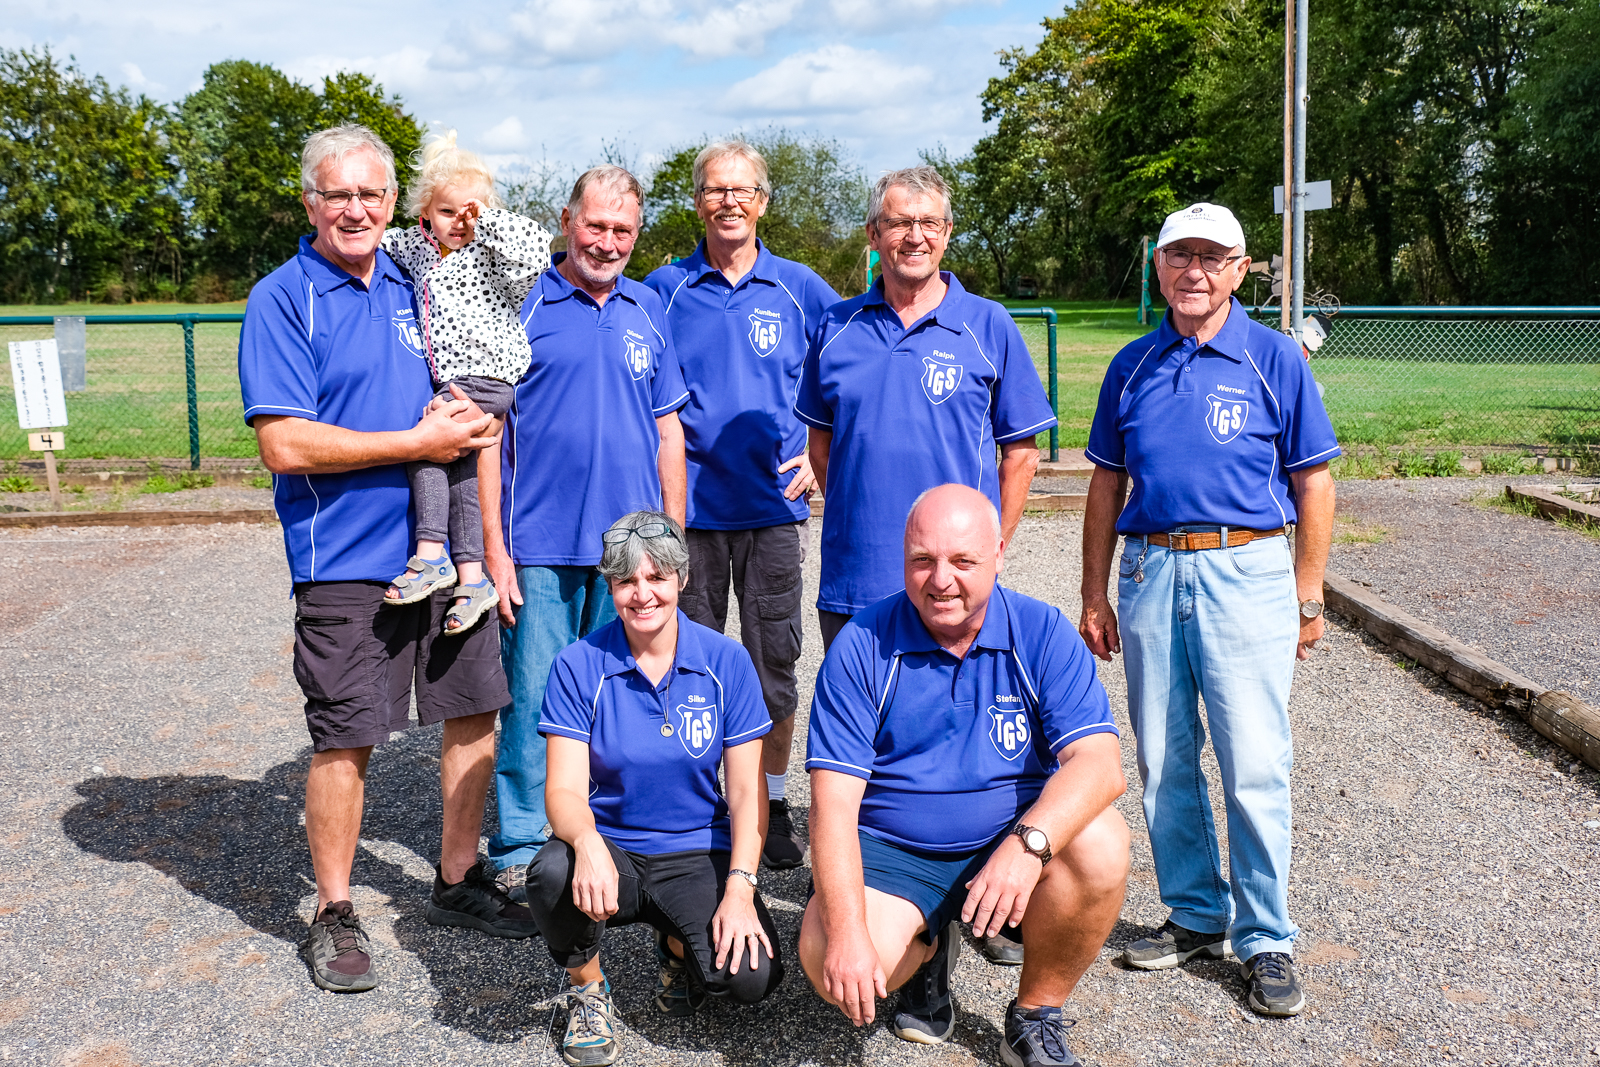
559	605
1223	624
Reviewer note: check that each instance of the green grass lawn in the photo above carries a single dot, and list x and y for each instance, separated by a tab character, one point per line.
1088	334
235	307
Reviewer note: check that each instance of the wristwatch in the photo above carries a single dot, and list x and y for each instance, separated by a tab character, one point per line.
746	875
1310	609
1034	841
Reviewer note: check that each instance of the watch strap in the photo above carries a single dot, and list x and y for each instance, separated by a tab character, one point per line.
746	875
1022	831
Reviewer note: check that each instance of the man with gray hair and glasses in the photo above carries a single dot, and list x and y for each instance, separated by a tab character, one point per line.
913	384
333	376
592	434
741	320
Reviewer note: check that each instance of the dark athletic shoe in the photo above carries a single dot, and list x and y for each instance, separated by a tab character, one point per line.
339	951
1001	949
927	1011
513	882
782	850
1274	985
1036	1038
1172	945
478	903
591	1037
677	992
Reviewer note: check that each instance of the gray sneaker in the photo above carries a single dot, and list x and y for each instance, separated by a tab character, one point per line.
1000	949
927	1011
1172	945
339	951
513	882
1274	985
591	1037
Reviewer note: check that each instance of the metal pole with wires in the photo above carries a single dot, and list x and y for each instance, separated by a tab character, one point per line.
1298	190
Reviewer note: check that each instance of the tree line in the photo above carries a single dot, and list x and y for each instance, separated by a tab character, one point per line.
1460	137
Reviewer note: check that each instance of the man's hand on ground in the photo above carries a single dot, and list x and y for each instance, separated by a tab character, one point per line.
999	894
853	976
1098	627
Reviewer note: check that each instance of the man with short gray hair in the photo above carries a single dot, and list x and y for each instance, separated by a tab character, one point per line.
741	320
333	376
592	434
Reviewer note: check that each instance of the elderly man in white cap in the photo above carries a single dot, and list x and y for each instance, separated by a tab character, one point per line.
1217	420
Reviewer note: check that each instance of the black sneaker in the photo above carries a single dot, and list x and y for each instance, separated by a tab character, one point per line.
782	849
1274	985
478	903
339	951
1001	949
677	992
1037	1038
927	1011
1172	945
513	882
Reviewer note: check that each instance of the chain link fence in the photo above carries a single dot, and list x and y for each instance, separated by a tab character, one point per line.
1522	378
136	401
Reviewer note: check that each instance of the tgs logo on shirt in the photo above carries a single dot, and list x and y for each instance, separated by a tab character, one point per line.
406	327
1008	729
766	329
1226	417
940	376
697	727
638	355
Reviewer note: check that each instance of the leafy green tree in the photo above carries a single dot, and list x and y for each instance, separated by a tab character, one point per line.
86	204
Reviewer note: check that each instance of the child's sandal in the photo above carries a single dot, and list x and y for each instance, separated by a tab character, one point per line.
480	599
431	577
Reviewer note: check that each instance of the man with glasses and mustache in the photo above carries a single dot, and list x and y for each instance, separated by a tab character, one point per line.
1219	424
332	370
592	434
741	319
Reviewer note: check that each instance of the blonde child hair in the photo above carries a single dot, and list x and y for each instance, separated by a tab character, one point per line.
439	163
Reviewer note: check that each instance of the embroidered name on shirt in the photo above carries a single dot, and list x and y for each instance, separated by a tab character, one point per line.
1230	389
696	700
1007	699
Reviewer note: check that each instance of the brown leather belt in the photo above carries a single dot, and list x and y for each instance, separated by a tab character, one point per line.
1202	539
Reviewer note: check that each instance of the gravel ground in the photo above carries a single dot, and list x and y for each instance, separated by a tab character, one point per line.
157	881
1524	590
129	498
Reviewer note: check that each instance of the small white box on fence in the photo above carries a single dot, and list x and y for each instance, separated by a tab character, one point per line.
53	441
36	377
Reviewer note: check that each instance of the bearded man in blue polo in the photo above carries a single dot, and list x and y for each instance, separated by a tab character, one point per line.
963	766
1219	424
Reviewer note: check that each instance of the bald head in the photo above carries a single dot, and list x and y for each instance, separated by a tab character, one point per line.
953	555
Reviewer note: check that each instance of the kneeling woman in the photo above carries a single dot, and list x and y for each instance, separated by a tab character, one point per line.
638	715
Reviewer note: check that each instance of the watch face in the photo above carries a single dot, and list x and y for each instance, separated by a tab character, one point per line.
1035	840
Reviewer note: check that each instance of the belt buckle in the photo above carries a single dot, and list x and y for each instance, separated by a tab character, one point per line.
1178	541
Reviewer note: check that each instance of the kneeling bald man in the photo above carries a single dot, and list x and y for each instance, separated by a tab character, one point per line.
963	765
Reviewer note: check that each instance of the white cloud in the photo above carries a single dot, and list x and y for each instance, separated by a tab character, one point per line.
568	31
909	16
506	136
134	76
833	78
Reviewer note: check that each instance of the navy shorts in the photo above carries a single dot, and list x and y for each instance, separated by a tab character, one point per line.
936	882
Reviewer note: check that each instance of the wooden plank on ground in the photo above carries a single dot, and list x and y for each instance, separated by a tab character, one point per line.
28	519
1559	717
1056	502
1553	505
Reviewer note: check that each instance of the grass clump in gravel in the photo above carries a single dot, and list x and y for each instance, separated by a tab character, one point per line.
16	483
259	481
1348	530
1528	509
1504	462
160	483
1353	465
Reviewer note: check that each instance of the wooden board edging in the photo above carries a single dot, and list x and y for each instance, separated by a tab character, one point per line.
1036	502
1553	505
1561	718
30	519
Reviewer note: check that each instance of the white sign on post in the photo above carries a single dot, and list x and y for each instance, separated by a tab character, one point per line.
36	377
1319	197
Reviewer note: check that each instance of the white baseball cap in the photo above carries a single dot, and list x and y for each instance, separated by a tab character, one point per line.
1209	222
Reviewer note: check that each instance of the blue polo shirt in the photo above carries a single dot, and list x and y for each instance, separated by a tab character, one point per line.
1210	432
581	440
741	347
319	344
653	792
909	409
953	751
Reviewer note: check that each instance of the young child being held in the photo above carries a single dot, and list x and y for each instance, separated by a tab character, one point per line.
473	264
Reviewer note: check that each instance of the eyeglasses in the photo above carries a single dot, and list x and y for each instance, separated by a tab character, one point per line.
741	193
898	228
1183	259
337	198
649	531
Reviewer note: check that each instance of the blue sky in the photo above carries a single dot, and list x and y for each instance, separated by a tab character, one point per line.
560	77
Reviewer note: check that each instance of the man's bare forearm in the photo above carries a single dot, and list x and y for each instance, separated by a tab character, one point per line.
819	443
489	501
1107	491
836	851
301	446
1088	781
671	466
1314	498
1019	460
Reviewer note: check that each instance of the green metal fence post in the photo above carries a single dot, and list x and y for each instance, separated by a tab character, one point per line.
1055	383
194	396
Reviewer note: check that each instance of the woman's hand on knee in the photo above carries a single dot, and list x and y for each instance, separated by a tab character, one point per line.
594	879
736	927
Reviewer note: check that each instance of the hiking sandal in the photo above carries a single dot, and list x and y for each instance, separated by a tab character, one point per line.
431	577
480	598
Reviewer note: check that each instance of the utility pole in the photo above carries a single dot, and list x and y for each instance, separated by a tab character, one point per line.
1291	271
1302	21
